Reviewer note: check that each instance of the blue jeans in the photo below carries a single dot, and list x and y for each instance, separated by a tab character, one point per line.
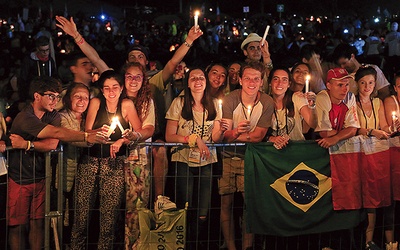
186	178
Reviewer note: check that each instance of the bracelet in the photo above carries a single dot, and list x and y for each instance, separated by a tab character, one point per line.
85	137
77	36
28	147
188	44
138	137
186	139
269	65
80	42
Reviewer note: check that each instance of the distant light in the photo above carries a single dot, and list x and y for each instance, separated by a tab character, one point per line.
299	25
376	20
108	28
294	15
59	33
62	51
103	17
337	17
345	31
283	23
211	9
245	34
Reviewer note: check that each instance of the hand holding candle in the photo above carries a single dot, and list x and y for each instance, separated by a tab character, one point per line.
265	35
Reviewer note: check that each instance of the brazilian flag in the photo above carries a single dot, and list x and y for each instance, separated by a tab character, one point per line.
288	191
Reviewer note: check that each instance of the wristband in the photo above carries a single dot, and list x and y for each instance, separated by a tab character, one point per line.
80	42
85	137
188	44
28	146
77	36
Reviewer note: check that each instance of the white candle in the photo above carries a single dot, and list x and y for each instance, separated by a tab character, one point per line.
119	125
394	117
196	19
248	112
220	106
265	35
307	87
112	127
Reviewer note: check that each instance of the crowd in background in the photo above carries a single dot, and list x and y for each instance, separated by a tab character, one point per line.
290	42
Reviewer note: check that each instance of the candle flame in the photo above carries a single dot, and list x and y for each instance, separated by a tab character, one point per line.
115	119
308	77
196	13
220	102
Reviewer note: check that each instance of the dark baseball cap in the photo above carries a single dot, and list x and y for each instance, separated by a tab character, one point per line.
140	48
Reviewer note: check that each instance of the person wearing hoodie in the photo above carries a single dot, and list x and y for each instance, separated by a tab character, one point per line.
37	63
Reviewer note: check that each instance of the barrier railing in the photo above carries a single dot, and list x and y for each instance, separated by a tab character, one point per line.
205	236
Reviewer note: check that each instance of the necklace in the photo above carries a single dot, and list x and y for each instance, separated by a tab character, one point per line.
245	109
365	116
110	113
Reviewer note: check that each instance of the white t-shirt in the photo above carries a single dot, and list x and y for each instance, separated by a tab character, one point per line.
199	125
290	125
323	107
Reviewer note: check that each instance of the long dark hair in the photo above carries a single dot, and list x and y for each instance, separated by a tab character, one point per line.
287	99
144	96
220	91
188	101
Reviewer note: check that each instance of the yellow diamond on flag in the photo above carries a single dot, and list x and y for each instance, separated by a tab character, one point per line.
303	186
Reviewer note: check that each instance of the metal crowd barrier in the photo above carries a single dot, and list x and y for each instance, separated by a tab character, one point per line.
55	237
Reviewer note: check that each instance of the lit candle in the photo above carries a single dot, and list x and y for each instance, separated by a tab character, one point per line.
220	106
248	112
394	117
112	127
265	35
196	19
119	124
307	87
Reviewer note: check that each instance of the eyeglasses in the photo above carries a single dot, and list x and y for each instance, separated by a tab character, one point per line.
200	78
137	78
52	97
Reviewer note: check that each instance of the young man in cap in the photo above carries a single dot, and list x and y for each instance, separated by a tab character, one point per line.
255	49
336	109
345	56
